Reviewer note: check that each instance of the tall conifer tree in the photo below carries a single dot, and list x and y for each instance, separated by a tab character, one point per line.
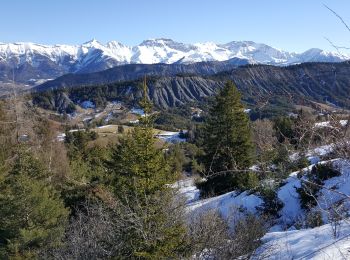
227	142
32	215
141	177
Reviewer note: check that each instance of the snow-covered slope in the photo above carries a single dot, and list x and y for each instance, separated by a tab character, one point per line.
284	240
94	56
158	51
316	243
291	211
226	204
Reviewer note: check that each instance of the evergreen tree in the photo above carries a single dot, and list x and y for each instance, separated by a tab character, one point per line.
87	169
32	216
284	129
227	143
139	167
141	175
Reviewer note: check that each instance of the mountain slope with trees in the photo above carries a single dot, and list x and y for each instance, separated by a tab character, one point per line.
262	86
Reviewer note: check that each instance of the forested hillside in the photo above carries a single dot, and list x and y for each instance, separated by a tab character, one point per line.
276	87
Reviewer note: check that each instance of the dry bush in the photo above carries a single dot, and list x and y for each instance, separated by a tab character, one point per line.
245	237
91	234
265	142
150	223
211	237
207	234
264	135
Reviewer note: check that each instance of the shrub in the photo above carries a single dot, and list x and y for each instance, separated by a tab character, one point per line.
228	181
316	177
322	172
248	181
207	234
307	195
210	238
272	204
120	129
314	219
302	162
245	238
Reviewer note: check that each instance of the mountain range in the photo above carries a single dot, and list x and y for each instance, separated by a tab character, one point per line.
34	63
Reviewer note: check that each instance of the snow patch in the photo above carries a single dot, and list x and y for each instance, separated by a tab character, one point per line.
316	243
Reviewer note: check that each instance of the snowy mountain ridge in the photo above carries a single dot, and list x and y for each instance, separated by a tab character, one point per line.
94	56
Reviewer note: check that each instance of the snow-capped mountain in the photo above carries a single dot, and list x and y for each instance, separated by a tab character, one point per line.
37	61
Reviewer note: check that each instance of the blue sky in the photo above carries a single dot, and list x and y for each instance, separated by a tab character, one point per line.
293	25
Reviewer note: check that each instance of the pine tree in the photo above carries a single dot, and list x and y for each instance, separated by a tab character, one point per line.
139	167
32	216
227	142
141	177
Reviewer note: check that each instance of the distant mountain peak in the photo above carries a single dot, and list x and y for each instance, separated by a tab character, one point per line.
113	44
157	42
93	40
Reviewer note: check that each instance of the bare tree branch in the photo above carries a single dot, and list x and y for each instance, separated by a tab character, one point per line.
339	17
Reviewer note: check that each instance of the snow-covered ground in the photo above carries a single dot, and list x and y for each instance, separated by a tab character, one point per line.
87	118
291	211
314	155
288	195
327	196
328	123
104	126
226	204
188	190
137	111
284	241
87	104
171	137
315	243
311	243
62	136
167	136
